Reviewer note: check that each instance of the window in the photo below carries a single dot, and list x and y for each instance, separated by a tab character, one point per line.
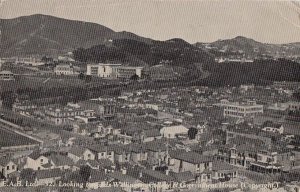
7	168
206	165
13	167
42	160
109	153
89	155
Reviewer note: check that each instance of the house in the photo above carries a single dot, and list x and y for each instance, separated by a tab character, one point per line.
80	153
181	161
183	177
43	177
37	161
23	107
150	135
92	129
97	179
46	161
173	131
148	176
245	132
61	115
223	171
101	108
122	176
60	161
64	69
7	166
138	135
269	126
102	152
120	155
137	152
157	151
93	164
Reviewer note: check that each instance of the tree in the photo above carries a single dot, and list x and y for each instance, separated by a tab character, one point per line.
27	175
88	78
192	132
81	76
8	99
134	77
85	173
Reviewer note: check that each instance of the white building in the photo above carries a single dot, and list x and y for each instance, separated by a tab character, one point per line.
7	166
269	126
241	110
294	106
7	76
113	70
173	131
127	72
103	70
64	69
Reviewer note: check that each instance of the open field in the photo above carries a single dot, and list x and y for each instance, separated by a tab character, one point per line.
34	82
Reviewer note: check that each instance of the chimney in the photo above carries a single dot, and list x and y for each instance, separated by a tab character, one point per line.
124	171
153	167
167	172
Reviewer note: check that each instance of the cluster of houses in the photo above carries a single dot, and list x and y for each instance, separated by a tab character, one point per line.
176	135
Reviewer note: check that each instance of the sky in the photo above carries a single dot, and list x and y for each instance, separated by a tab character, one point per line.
192	20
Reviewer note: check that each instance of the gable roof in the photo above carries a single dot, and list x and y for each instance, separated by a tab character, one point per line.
122	177
97	176
50	173
35	155
105	162
190	157
152	175
222	166
156	146
271	124
60	160
78	151
152	133
174	129
182	176
5	160
98	148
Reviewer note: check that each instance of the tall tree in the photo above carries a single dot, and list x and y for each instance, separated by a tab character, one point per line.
192	132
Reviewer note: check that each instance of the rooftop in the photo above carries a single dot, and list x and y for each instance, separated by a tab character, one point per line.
191	157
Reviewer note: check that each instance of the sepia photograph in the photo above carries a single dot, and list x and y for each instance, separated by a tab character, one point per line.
149	96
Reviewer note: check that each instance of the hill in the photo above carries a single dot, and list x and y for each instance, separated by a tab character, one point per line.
249	47
177	53
42	34
90	42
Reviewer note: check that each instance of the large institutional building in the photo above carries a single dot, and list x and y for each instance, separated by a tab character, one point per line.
7	76
113	70
241	109
64	69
